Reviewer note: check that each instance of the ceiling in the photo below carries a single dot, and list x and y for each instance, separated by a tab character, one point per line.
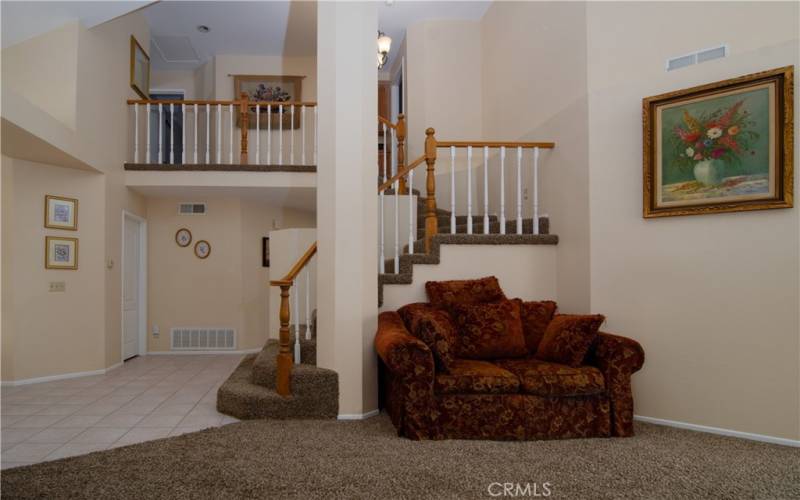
24	20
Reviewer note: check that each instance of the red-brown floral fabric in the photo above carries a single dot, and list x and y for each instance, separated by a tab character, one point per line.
543	378
489	331
445	294
434	327
475	377
568	338
618	358
535	318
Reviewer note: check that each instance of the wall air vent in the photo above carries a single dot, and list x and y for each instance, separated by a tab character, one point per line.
192	209
203	339
698	57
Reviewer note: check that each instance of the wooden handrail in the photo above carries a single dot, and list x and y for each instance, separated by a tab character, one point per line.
220	102
297	267
401	173
495	144
386	122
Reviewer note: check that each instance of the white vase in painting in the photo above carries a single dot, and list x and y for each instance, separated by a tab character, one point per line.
709	172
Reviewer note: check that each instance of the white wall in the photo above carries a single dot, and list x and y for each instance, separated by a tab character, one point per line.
714	299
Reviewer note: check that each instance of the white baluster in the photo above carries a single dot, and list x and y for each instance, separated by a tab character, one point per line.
183	133
291	137
411	234
486	190
296	318
230	128
172	133
452	190
219	133
535	190
469	189
303	133
316	129
396	188
269	134
381	254
258	134
383	128
160	141
392	150
195	133
147	138
208	133
519	189
135	133
280	134
502	190
308	300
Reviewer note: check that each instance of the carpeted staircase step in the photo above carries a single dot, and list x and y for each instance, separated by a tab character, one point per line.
264	367
241	398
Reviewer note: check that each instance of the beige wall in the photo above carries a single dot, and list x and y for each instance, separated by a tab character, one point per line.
230	287
226	65
713	299
185	80
50	333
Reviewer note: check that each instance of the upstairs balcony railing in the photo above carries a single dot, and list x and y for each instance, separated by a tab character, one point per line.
214	132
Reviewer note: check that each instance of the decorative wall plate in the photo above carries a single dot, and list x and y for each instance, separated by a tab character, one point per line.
202	249
183	237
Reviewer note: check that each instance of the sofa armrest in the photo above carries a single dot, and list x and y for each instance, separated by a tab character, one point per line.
618	358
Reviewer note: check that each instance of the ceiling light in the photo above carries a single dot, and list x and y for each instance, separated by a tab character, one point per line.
384	46
203	28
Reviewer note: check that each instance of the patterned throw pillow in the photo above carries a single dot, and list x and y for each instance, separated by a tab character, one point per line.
434	327
535	318
446	294
490	331
568	337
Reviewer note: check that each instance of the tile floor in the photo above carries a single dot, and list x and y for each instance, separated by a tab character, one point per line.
149	397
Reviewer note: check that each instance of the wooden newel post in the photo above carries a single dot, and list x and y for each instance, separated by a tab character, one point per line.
284	360
431	222
401	153
244	125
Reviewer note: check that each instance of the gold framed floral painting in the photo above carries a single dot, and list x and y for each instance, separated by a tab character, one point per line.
60	253
722	147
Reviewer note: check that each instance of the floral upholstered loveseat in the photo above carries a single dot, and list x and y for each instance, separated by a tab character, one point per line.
472	364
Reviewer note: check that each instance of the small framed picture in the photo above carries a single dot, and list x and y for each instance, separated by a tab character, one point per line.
61	253
265	251
202	249
61	213
183	237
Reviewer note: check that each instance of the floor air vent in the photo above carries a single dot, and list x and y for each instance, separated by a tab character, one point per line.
203	339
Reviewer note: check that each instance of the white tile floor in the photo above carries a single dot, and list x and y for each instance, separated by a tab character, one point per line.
149	397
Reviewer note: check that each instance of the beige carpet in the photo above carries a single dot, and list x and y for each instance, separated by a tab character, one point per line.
332	459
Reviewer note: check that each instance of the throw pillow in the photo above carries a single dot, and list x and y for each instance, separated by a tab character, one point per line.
568	337
490	331
446	294
434	327
535	318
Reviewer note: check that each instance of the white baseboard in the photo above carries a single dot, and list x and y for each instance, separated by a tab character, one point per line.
358	416
63	376
183	353
717	430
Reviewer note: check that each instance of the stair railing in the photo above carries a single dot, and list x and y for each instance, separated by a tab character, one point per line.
283	133
293	279
392	155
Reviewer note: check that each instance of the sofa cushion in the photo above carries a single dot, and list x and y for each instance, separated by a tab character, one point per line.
568	337
445	294
535	318
469	376
543	378
489	331
434	327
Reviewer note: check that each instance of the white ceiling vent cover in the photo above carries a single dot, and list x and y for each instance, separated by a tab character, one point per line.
192	209
698	57
203	339
175	48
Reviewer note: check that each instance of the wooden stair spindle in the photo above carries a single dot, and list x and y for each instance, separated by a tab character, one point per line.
284	365
244	125
400	132
431	221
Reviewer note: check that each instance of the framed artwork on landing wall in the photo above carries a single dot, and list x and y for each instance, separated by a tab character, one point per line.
274	89
722	147
60	213
140	69
60	253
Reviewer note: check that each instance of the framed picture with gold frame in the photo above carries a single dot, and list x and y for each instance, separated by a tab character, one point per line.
60	253
60	213
140	69
269	88
722	147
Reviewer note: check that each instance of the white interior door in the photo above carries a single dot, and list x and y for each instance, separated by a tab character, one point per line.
130	288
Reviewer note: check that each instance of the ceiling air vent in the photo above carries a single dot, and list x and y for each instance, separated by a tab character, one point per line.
698	57
175	48
192	209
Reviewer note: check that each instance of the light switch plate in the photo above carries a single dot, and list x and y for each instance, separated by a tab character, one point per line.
58	286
